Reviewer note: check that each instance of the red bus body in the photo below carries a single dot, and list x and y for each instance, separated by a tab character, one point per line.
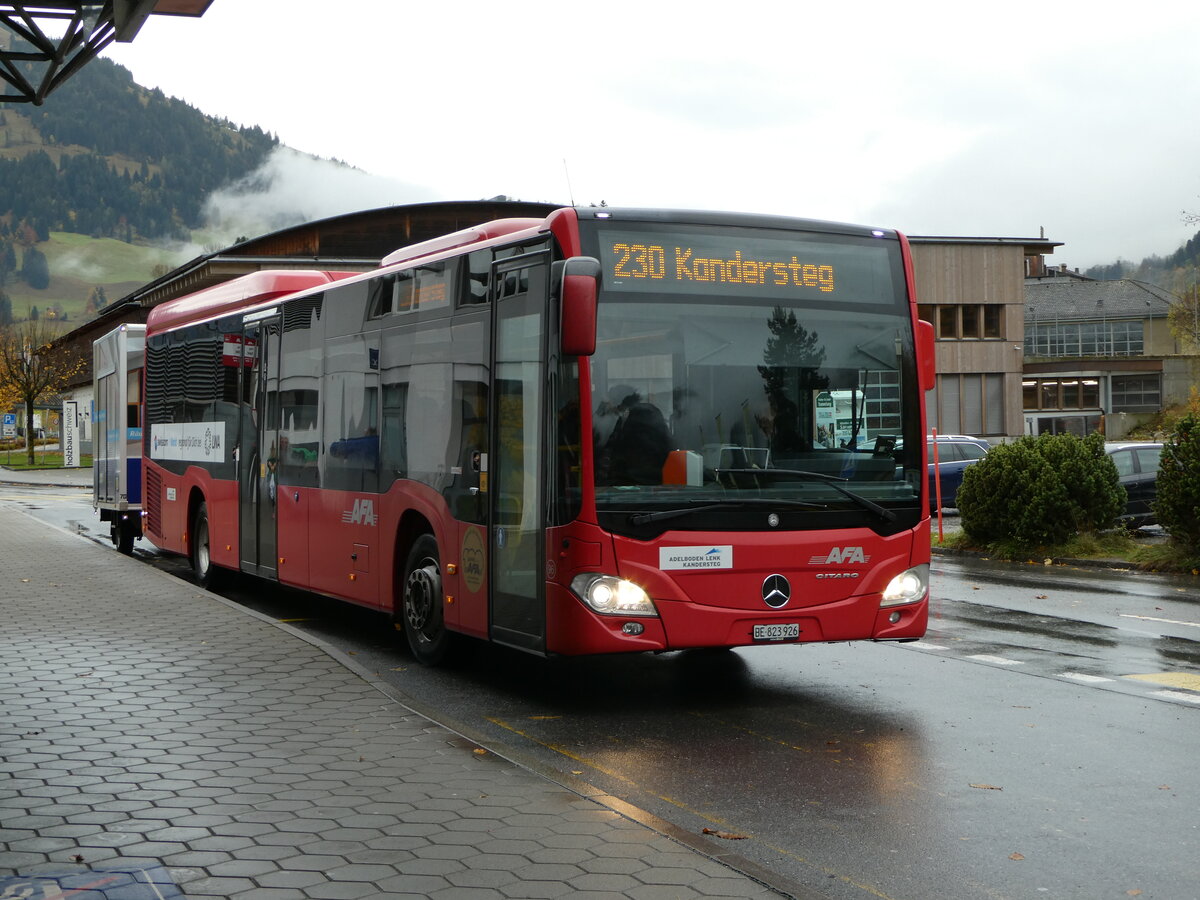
417	440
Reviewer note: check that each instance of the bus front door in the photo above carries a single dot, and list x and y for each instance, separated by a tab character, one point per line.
516	482
258	447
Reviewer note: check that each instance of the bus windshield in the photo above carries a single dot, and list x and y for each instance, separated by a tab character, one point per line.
746	367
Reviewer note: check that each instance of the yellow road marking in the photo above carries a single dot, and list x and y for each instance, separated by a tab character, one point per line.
584	761
1184	680
757	734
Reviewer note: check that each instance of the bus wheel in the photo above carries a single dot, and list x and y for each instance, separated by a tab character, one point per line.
422	603
207	575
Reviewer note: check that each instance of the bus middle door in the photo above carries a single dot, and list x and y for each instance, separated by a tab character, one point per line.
258	446
520	292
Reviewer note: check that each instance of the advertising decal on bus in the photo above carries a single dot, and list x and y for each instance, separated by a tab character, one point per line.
188	442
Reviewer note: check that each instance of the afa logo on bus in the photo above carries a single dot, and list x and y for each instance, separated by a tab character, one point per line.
839	556
363	513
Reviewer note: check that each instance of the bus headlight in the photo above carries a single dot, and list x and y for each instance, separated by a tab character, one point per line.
612	596
907	587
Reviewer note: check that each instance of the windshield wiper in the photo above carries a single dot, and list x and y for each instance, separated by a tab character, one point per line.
831	480
661	515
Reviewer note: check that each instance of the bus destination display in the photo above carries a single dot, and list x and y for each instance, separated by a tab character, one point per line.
746	263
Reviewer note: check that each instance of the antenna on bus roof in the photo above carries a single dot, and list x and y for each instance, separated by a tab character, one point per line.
570	190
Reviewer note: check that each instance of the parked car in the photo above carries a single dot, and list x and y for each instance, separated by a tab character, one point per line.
1137	467
954	453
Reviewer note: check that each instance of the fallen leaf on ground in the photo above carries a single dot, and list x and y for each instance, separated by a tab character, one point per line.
987	787
724	834
1015	856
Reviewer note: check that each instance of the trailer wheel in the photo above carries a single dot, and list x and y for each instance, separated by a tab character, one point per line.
422	603
123	535
207	575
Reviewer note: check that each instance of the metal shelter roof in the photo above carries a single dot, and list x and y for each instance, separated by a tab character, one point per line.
44	43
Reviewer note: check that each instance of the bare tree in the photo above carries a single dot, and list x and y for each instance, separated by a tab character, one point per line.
32	369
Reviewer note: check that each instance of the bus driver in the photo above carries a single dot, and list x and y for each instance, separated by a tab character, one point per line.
639	443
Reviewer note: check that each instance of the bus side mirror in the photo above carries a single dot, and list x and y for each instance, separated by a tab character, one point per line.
927	371
580	289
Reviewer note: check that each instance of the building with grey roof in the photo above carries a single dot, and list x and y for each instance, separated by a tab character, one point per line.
1099	353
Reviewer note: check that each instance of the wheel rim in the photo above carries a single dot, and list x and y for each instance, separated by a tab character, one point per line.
422	593
202	554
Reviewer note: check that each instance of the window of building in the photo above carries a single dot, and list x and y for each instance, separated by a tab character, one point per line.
1084	338
964	321
991	321
969	320
1136	393
1079	425
1067	392
947	321
881	402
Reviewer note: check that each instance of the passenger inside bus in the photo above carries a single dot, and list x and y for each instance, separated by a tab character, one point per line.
638	444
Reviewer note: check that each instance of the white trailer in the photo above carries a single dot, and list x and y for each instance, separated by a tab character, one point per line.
118	358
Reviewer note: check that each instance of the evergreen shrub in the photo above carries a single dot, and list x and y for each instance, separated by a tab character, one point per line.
1177	502
1040	491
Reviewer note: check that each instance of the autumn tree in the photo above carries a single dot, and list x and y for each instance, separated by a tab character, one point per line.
96	300
1183	318
33	369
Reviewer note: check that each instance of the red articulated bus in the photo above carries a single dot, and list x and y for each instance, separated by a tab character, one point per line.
603	431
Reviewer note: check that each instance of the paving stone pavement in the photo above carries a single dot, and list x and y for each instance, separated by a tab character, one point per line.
158	741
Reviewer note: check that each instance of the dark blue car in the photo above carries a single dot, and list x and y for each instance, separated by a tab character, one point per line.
954	453
1137	468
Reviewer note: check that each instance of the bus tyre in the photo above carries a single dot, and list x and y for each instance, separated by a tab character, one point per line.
421	603
207	575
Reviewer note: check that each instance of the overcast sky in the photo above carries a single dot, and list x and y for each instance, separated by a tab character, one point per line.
949	118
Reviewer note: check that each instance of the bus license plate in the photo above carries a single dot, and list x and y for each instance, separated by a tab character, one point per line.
785	631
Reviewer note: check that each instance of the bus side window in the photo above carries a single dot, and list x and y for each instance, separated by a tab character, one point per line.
479	267
403	296
380	296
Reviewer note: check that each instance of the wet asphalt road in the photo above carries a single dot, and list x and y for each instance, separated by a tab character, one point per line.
1040	742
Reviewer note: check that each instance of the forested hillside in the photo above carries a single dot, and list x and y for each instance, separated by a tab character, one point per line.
107	158
94	179
1177	273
